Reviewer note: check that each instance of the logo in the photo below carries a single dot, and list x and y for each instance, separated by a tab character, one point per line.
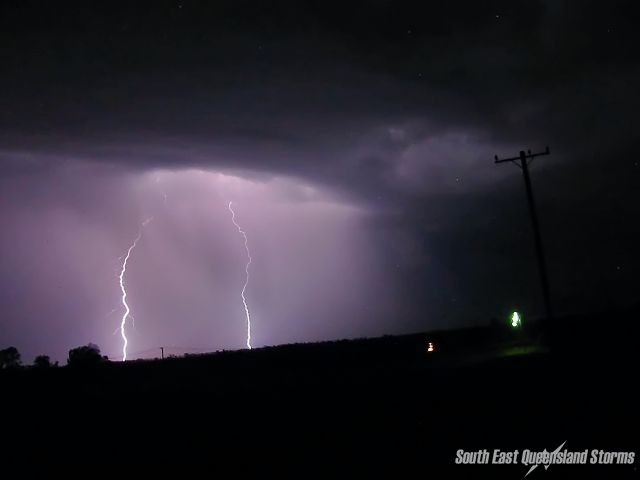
534	459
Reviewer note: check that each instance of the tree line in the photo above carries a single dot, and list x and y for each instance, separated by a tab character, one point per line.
86	355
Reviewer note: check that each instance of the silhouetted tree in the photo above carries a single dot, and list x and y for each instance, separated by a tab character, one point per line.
42	361
85	356
9	358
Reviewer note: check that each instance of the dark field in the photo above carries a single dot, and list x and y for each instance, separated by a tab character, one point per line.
362	404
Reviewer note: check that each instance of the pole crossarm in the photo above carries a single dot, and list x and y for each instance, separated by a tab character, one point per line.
528	156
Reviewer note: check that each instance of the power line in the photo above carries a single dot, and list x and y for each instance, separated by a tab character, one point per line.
177	349
523	160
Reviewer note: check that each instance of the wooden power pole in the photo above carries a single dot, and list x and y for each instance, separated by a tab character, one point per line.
523	160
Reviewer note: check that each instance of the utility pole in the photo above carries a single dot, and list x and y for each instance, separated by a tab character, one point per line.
523	161
162	350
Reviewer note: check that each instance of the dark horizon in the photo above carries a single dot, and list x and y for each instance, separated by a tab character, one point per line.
356	141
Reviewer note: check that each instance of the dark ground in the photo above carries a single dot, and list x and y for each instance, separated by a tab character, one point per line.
342	407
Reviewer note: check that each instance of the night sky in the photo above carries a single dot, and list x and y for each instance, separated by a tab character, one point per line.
356	141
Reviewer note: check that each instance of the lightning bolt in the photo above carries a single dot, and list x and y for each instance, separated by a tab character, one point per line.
246	282
123	271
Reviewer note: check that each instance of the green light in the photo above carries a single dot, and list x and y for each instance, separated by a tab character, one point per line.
516	321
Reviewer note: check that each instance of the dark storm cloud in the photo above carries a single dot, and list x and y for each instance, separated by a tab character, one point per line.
313	90
397	107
